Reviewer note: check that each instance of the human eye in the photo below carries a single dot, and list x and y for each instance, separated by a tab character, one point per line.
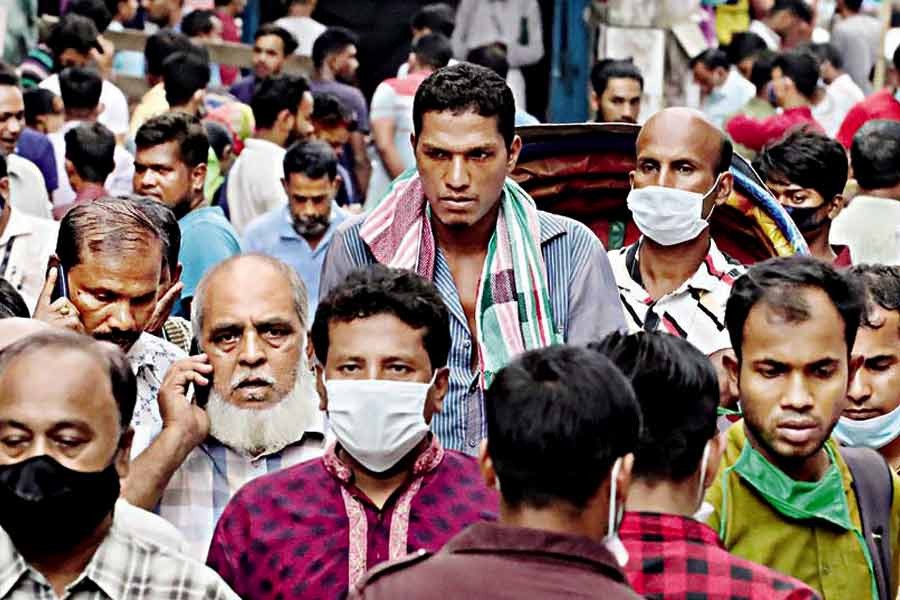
436	154
348	368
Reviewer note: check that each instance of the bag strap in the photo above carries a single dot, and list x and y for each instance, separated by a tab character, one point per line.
874	488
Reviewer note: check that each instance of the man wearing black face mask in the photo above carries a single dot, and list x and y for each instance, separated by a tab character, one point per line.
61	460
806	172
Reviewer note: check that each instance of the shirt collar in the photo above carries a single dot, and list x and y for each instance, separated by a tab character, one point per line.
141	354
497	537
286	229
12	565
428	460
713	270
18	224
656	527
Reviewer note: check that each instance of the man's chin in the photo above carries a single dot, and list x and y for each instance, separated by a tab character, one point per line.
125	343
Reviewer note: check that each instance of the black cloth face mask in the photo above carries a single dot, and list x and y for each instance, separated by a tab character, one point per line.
45	506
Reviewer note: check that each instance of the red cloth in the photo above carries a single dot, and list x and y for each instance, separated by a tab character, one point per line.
89	193
670	556
756	133
843	258
880	105
230	33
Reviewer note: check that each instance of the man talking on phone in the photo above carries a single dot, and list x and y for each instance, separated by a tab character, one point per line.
245	407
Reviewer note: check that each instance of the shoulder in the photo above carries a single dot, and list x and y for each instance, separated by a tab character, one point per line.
390	574
42	228
285	481
264	225
554	226
22	166
113	92
769	582
150	349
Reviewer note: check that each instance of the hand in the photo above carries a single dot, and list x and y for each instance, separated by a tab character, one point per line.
61	312
177	412
164	308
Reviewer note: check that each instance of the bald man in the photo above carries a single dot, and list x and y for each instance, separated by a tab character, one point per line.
674	278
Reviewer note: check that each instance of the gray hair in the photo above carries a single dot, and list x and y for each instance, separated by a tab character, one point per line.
298	289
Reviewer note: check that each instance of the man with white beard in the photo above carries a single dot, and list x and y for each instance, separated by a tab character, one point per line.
250	318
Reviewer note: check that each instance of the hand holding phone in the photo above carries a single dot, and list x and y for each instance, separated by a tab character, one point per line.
179	405
53	305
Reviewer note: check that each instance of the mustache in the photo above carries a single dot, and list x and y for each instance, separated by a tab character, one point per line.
119	338
241	379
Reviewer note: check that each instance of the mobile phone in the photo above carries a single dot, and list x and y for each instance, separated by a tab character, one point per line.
61	287
201	392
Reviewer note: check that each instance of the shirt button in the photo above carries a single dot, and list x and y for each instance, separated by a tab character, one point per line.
473	443
467	344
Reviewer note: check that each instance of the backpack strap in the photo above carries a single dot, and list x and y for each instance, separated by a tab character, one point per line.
874	488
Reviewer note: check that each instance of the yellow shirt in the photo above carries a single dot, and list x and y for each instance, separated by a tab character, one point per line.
153	103
731	18
829	560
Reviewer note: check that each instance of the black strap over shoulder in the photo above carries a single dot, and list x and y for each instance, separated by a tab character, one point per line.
874	489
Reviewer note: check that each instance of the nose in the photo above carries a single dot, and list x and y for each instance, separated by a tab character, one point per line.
14	125
251	354
797	396
308	209
121	317
458	177
859	391
144	181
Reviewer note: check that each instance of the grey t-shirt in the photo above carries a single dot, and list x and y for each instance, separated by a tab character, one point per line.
857	39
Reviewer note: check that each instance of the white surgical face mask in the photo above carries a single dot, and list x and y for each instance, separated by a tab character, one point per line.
874	433
612	541
669	216
377	421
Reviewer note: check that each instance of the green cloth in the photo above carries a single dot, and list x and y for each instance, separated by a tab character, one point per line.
828	558
214	177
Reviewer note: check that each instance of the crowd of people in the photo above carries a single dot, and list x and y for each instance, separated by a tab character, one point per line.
309	344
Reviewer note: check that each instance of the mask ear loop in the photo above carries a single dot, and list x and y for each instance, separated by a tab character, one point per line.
715	186
613	513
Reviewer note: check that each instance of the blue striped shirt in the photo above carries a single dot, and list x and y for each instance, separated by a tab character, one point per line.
583	295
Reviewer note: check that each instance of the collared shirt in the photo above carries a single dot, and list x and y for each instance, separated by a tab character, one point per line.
274	234
213	473
124	566
492	560
27	188
303	532
25	246
828	559
695	311
582	292
254	182
115	105
883	104
675	556
150	359
870	227
728	98
756	133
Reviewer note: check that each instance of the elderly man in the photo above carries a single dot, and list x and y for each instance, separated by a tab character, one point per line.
254	408
111	257
60	466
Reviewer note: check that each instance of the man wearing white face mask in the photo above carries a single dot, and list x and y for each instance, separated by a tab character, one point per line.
387	488
677	456
254	408
561	424
674	278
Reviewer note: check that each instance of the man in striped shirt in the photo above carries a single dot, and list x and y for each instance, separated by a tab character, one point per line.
465	147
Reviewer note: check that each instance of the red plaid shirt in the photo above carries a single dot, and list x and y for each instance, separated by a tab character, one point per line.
675	557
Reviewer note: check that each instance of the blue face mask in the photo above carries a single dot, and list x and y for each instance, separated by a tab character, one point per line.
874	433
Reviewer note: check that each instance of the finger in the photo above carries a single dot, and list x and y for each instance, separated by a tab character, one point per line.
64	303
47	292
164	305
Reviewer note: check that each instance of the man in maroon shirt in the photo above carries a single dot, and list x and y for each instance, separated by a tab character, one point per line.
387	488
795	76
883	104
671	553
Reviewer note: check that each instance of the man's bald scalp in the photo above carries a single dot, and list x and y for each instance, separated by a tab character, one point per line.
696	119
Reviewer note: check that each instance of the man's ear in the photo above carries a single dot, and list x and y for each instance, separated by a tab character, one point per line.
285	120
514	150
726	185
837	205
123	455
439	389
623	479
198	177
595	102
486	466
733	368
179	269
70	169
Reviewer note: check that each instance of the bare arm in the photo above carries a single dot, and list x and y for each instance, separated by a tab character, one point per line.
361	167
383	130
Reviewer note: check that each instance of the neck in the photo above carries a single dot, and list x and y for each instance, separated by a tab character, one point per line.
379	487
891	453
466	239
62	569
301	10
190	108
271	135
891	193
565	520
313	240
795	102
175	18
666	497
324	73
818	244
87	186
665	268
77	116
810	468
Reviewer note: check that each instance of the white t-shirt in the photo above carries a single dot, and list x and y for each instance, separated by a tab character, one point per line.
25	246
305	29
115	105
254	182
840	97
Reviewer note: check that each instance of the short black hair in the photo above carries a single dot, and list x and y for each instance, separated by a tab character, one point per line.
72	32
744	45
798	8
91	148
875	154
853	5
330	41
726	154
288	41
95	10
881	284
8	75
80	88
121	378
38	102
608	68
779	282
161	45
828	52
3	171
896	58
713	58
11	302
802	67
219	137
380	290
330	111
275	94
313	158
806	158
761	73
165	221
557	420
491	56
678	391
439	17
198	22
433	50
466	87
184	74
193	144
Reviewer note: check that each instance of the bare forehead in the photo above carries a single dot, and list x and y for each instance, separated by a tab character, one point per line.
680	134
248	288
460	129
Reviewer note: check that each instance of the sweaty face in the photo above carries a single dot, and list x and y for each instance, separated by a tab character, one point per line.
303	125
76	421
115	290
875	389
344	64
620	101
252	335
463	162
12	117
160	173
268	56
793	378
309	201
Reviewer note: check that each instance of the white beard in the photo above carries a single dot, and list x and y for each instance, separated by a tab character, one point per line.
267	430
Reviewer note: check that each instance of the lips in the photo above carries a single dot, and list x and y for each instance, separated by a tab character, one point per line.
797	431
453	202
861	414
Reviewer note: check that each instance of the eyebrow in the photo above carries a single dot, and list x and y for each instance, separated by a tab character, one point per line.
490	146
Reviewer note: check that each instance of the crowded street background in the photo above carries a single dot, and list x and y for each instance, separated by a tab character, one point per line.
371	299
